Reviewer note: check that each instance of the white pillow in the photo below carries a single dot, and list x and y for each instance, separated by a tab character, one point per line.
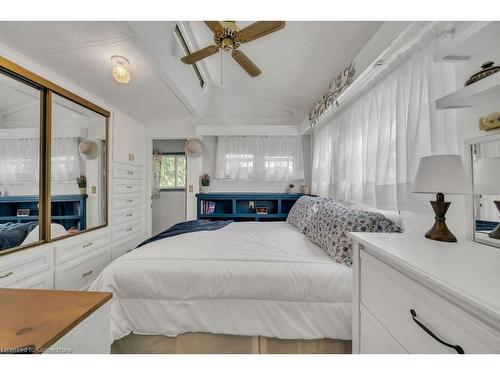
56	230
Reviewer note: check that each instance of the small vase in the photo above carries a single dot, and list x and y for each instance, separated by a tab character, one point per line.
290	190
204	189
83	191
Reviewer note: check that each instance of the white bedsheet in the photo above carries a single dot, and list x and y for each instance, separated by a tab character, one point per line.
247	278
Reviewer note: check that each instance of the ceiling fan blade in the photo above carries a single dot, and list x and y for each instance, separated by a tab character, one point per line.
259	29
247	64
215	26
200	54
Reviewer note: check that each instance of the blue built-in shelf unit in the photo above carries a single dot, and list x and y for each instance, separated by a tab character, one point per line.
243	206
68	210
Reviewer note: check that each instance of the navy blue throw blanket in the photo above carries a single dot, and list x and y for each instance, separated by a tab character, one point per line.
13	234
188	227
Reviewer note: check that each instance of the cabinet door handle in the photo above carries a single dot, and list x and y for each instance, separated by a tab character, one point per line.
87	273
129	186
128	215
458	348
6	275
130	172
88	244
133	157
129	200
128	229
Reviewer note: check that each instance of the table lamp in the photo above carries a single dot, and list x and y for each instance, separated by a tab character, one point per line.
440	174
488	183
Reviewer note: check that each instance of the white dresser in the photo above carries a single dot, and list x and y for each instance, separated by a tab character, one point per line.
414	295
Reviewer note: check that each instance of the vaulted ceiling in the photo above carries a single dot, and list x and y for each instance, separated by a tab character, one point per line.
297	64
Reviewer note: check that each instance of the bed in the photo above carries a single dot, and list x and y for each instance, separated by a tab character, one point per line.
249	279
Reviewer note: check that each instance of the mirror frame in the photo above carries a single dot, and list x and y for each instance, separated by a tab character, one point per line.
468	161
46	88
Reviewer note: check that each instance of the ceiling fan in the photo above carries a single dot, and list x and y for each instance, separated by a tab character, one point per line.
228	36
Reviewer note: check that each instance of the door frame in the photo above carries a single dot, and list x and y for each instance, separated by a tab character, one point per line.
148	165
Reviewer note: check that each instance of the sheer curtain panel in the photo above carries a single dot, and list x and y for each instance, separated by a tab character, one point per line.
271	158
370	152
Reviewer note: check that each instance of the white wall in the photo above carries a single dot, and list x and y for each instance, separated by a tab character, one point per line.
170	207
209	161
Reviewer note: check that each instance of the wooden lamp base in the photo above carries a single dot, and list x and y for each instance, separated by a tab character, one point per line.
495	233
439	230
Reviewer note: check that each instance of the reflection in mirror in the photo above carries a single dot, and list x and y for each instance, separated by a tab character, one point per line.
486	168
19	163
78	168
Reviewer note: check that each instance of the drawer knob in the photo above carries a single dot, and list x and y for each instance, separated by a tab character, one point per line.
129	186
87	273
458	348
6	275
88	244
129	201
128	215
128	229
130	172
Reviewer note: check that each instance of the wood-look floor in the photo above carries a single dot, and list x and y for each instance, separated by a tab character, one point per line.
208	343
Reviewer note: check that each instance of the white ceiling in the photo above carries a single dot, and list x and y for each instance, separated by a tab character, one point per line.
297	62
297	65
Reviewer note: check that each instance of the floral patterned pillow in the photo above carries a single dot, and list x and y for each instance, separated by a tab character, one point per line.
303	211
330	227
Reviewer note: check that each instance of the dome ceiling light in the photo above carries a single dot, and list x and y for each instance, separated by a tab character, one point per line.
121	73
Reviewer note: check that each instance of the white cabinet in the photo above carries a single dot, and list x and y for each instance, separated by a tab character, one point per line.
91	336
416	295
128	140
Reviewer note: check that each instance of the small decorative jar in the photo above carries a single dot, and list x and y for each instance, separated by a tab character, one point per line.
204	189
305	189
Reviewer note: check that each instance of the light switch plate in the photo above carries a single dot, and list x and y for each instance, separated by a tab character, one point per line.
93	190
190	188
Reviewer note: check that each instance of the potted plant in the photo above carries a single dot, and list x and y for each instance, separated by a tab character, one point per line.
82	184
290	188
205	183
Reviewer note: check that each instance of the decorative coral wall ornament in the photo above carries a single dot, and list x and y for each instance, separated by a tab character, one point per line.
337	87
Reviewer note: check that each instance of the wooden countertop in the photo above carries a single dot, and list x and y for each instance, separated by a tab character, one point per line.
39	318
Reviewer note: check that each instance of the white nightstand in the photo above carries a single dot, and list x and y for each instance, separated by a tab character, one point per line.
414	295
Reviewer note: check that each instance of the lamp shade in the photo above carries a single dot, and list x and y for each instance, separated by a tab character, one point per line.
441	174
488	176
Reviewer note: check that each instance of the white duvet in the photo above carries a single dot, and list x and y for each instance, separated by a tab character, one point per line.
247	278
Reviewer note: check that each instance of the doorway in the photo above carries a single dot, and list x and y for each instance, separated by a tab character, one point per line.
169	205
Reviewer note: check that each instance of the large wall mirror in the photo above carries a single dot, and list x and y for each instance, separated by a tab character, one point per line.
78	168
53	161
19	163
486	174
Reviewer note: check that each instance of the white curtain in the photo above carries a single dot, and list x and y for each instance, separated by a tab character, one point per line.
19	160
272	158
370	152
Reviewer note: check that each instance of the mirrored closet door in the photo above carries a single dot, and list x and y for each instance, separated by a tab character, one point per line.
20	129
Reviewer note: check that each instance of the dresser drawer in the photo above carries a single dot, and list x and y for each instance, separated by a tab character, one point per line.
80	272
42	280
126	230
389	296
82	246
126	201
375	338
127	172
127	186
122	247
16	267
122	216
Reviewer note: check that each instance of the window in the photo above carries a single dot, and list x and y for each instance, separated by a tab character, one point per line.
187	51
173	172
269	158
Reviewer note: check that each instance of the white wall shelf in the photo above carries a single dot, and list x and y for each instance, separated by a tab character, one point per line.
470	43
480	92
